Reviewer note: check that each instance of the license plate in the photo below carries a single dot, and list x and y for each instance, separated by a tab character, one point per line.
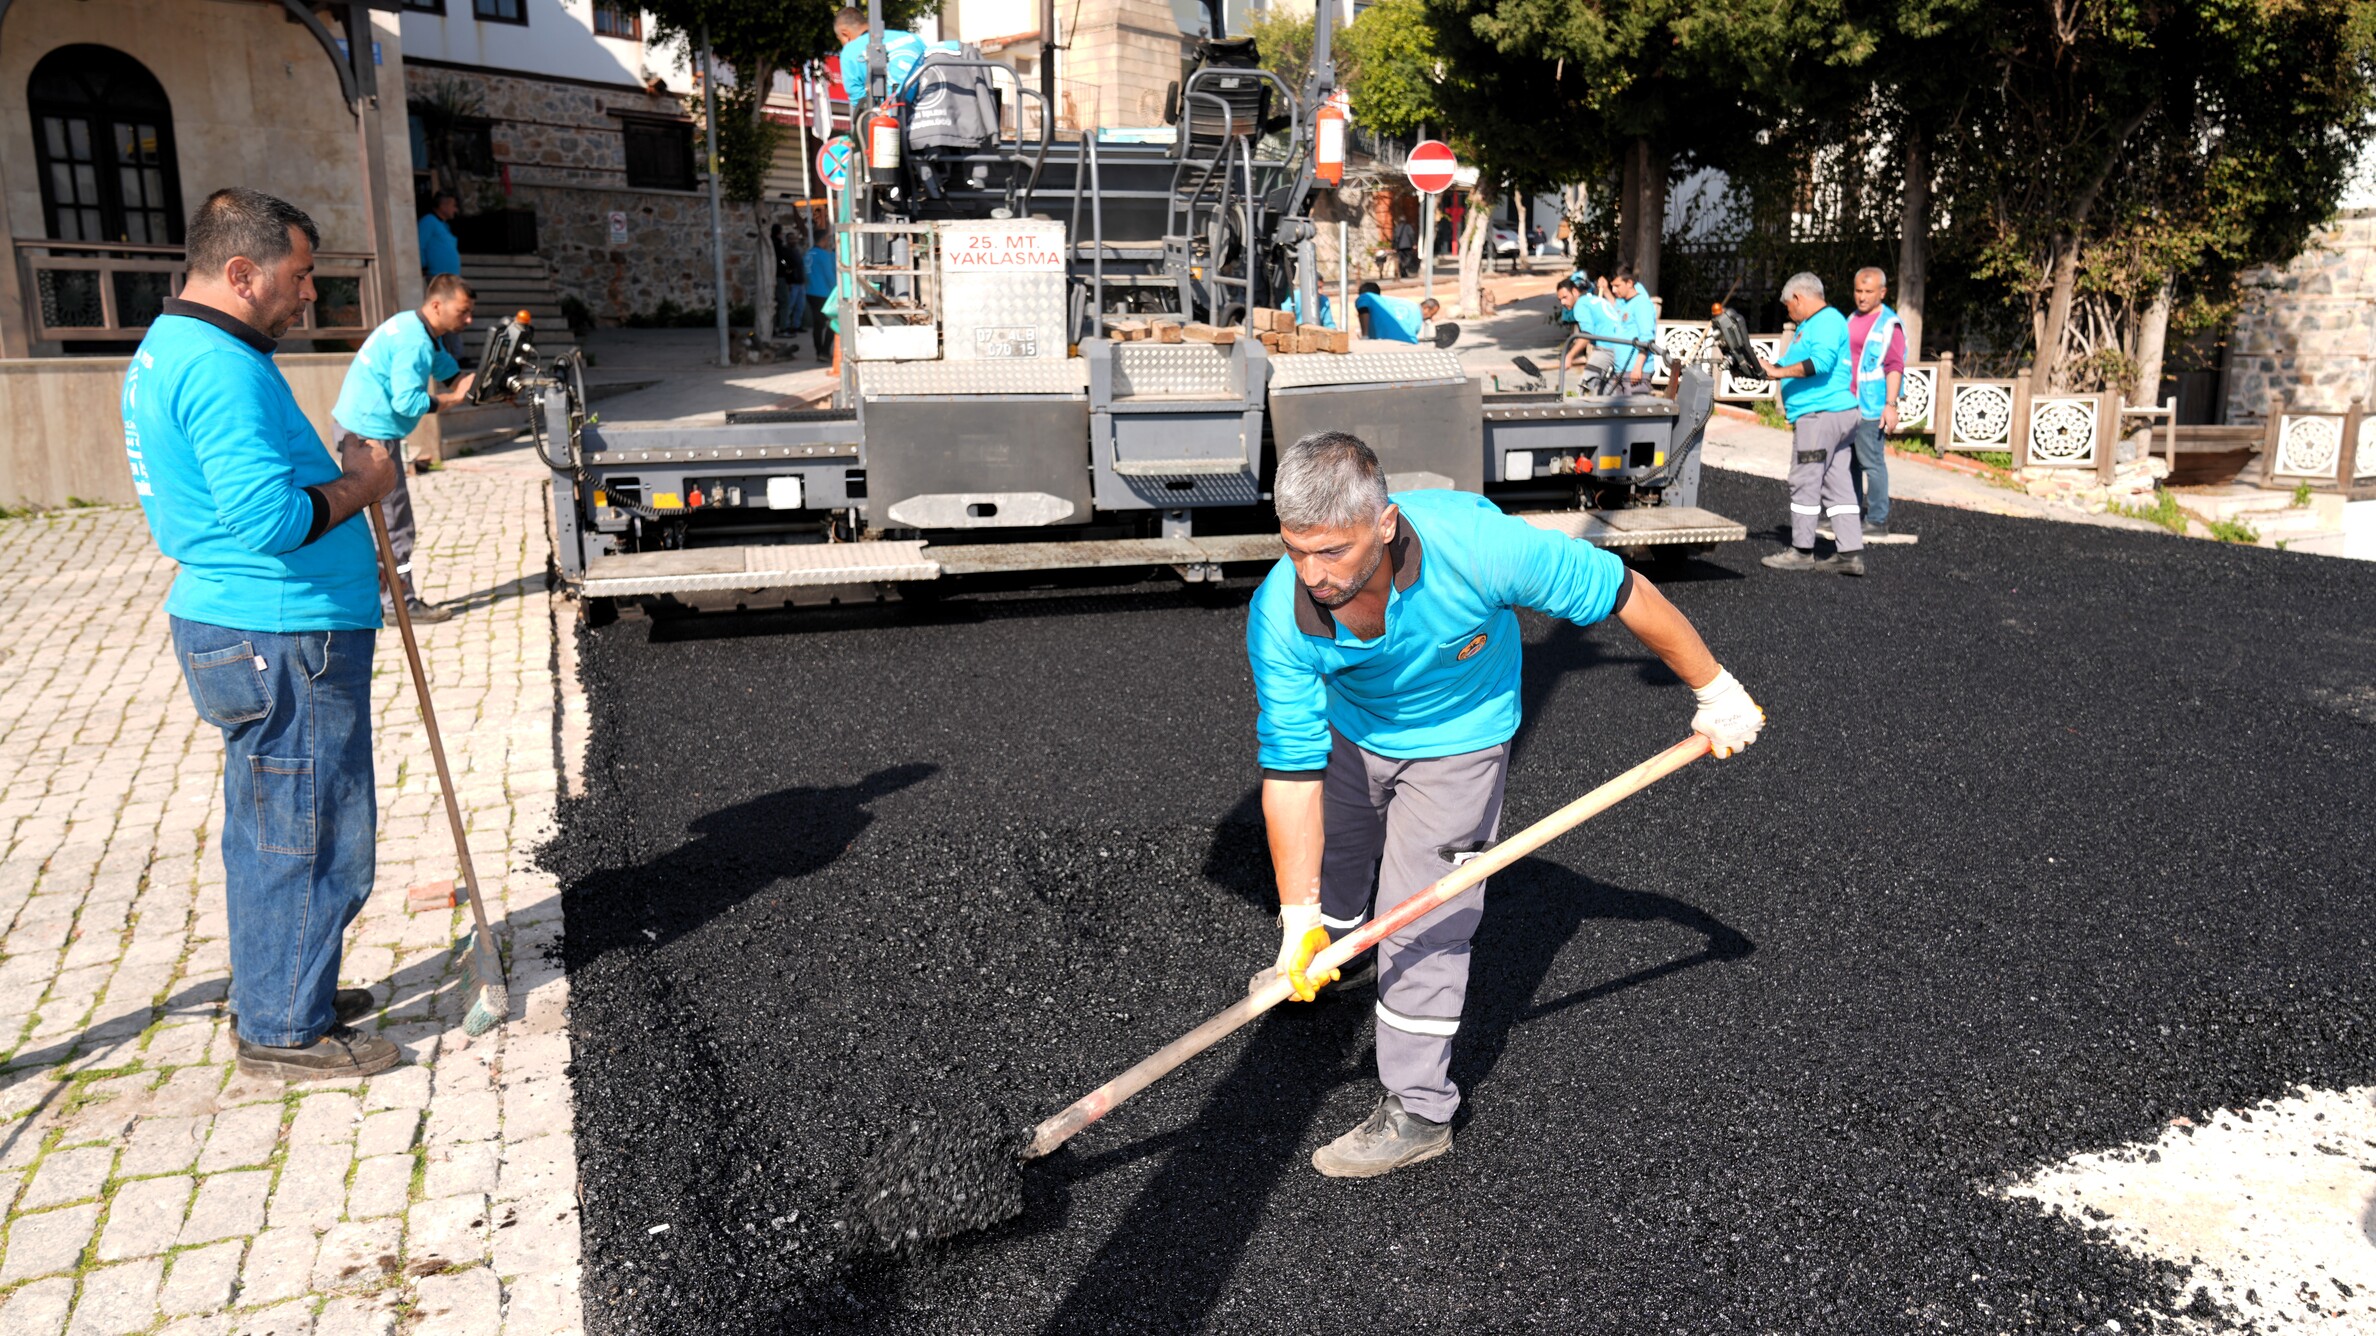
1006	341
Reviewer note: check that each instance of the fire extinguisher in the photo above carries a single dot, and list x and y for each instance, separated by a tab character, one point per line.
1328	144
882	145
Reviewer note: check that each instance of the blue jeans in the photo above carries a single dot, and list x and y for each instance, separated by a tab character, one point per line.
1868	471
301	816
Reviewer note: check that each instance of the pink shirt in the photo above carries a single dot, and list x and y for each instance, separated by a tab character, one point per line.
1860	323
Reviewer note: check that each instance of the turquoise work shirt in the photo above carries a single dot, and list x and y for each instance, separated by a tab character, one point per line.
1443	677
386	392
1391	317
1328	317
902	52
820	272
440	253
223	459
1830	383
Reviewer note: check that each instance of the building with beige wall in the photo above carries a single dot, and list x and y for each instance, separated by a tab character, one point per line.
117	116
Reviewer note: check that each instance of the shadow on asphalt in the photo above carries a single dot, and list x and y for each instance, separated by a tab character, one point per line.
1195	1217
817	825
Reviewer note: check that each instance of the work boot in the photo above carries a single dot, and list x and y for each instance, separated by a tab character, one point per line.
341	1052
1386	1141
1791	559
347	1006
424	611
1843	563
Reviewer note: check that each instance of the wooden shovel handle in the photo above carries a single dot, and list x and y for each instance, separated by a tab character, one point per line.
1102	1101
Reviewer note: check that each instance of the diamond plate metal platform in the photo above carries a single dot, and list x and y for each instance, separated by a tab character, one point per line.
1653	526
1293	371
765	566
807	565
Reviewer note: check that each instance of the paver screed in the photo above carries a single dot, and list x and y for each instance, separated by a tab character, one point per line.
149	1187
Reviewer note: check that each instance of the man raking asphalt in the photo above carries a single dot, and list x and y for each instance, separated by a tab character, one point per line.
1385	649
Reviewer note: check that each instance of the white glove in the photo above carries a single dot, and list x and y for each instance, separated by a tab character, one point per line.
1295	923
1726	714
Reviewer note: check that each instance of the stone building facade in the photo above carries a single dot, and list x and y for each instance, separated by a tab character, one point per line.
560	150
2307	340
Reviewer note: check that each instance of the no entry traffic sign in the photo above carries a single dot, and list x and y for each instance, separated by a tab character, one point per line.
1430	166
833	161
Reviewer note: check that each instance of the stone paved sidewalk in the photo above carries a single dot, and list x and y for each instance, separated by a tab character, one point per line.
146	1186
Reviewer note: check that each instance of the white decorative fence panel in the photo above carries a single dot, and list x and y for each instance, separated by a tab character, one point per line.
2065	430
1980	416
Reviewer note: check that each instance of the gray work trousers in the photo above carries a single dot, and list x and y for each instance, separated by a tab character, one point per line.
1394	827
397	509
1823	446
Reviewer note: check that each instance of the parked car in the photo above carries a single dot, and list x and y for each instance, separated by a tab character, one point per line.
1506	242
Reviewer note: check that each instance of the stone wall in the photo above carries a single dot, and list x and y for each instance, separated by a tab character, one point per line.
2307	341
566	159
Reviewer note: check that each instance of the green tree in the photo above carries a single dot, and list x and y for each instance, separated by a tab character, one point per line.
2124	160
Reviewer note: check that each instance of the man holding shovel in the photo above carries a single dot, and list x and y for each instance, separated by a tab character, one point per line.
273	616
1386	663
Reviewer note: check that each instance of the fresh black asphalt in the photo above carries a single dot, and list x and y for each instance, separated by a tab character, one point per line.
2056	833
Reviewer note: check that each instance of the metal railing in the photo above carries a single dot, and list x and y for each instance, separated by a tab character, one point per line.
80	290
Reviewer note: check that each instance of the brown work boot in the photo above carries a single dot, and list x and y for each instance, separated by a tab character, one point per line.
341	1052
1386	1141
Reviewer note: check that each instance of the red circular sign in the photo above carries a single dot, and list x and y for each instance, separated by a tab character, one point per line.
1430	166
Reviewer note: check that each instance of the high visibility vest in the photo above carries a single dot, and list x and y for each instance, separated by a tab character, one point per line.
1872	383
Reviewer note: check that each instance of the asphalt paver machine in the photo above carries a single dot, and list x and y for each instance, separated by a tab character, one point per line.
994	413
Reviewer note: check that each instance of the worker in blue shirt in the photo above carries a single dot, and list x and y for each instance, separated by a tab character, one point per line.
1385	656
272	615
1393	318
902	52
1593	316
440	252
389	389
821	274
1817	378
1328	316
1636	318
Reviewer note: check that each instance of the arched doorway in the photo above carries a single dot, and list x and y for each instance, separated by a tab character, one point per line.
103	137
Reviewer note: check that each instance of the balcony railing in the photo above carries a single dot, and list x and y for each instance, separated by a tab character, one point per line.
75	290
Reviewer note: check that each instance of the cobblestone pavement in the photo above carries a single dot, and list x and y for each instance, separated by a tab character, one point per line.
147	1186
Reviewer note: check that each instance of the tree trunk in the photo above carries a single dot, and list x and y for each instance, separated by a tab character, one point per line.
1914	243
763	301
1653	217
2063	286
2066	261
1476	225
1629	201
2153	335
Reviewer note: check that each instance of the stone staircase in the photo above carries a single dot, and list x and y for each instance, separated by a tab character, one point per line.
2272	515
507	285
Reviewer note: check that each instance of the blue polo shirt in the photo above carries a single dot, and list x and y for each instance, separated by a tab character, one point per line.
1391	317
820	271
1830	385
440	253
221	458
903	51
1443	677
386	391
1637	318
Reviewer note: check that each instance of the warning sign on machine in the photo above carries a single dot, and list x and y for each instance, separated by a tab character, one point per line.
1021	246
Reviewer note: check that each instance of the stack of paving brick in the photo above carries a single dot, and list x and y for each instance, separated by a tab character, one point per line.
1276	330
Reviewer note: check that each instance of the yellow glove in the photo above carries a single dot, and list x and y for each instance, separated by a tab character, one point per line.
1300	938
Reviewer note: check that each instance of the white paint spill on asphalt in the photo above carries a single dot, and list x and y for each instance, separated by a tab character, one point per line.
2273	1207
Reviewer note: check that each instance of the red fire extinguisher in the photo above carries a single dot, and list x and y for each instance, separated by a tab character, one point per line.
1328	144
882	145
